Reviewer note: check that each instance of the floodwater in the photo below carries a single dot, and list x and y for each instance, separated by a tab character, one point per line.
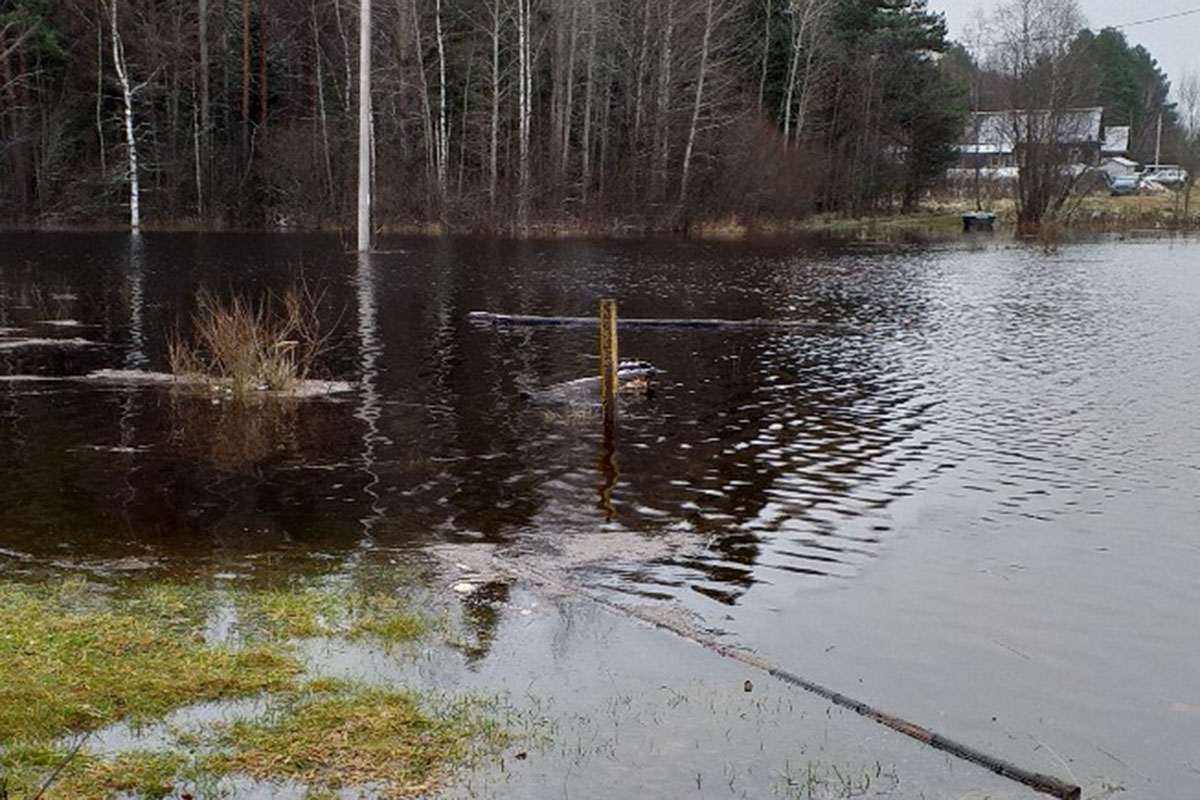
970	498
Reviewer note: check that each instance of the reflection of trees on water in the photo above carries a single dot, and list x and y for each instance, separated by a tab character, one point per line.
790	447
135	358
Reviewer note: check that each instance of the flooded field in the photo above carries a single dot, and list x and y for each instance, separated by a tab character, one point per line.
969	496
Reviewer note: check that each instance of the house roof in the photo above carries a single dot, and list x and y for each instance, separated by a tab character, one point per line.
1001	131
1116	139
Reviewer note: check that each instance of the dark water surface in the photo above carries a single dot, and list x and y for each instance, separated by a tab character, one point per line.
972	499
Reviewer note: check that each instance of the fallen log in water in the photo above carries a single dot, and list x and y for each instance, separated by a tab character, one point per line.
488	318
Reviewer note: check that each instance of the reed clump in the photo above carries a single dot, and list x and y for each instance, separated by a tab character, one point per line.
248	346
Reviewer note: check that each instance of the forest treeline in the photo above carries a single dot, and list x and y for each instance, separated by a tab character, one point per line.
486	113
648	113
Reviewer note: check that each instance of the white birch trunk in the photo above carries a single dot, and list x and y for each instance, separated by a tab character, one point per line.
795	103
569	92
431	136
586	141
346	67
463	136
364	127
322	112
203	37
495	138
196	138
702	73
640	79
443	126
663	128
793	72
100	99
766	56
201	124
118	50
523	98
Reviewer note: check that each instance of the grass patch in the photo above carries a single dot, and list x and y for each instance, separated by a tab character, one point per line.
305	613
70	664
75	658
334	737
66	670
138	772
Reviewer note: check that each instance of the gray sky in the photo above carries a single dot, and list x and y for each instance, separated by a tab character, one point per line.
1175	43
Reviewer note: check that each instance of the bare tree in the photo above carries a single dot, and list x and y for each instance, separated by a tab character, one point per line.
1047	80
1188	109
808	17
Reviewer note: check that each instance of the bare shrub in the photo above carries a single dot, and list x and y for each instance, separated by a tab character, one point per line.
250	346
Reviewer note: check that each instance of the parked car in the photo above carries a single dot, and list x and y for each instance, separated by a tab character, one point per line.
1123	184
1166	174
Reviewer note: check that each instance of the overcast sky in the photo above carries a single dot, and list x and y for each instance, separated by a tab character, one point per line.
1175	43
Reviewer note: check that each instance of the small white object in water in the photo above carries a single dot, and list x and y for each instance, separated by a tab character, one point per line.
463	587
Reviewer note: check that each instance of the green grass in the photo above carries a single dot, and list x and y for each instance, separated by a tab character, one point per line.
75	658
324	735
330	737
68	670
282	613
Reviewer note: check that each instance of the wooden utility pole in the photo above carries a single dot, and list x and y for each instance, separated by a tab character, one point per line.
364	127
1158	142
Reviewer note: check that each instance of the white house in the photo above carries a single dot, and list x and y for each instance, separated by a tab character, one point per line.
992	139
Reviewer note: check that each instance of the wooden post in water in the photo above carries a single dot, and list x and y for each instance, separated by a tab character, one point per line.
608	401
608	359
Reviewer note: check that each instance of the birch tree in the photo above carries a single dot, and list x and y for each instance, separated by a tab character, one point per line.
494	137
443	126
698	103
127	93
807	17
524	106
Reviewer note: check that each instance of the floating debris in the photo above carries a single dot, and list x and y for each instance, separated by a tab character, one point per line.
633	378
137	377
19	344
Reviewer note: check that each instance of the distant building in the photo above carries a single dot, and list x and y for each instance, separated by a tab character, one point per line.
1116	142
992	139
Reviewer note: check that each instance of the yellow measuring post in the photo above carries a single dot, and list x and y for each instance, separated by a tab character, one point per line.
608	359
607	463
